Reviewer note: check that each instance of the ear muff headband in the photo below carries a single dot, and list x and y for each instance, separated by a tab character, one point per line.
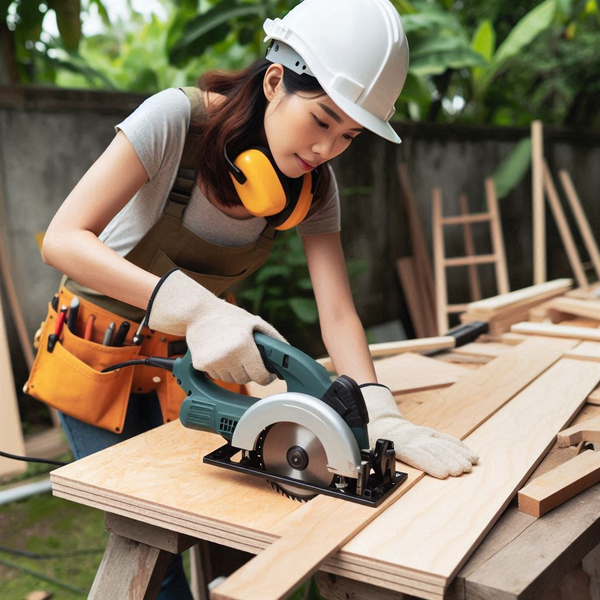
266	192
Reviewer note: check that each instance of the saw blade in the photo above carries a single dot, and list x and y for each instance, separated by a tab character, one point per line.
292	450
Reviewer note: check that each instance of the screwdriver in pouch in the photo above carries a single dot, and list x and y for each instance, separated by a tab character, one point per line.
60	321
73	310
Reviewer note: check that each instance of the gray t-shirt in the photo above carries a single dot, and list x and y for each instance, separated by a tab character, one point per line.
157	131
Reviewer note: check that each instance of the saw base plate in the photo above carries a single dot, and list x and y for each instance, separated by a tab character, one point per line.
372	496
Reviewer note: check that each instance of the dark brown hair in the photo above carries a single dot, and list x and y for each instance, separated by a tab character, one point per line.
239	122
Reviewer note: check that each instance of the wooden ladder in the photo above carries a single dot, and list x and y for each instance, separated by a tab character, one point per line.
441	263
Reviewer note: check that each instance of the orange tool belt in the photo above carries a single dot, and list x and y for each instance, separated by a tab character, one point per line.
70	379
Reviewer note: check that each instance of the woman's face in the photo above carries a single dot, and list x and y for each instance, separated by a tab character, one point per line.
303	131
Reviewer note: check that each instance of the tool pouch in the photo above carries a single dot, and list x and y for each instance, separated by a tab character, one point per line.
70	379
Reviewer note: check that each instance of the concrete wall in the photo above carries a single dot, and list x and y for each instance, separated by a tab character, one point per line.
49	138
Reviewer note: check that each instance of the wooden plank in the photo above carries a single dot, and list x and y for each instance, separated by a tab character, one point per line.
563	228
582	222
465	218
420	250
561	331
539	215
464	406
490	349
11	432
508	531
17	315
594	397
413	295
586	431
416	536
412	372
581	308
523	296
497	238
561	484
590	292
15	306
441	292
585	351
513	339
474	284
442	342
463	261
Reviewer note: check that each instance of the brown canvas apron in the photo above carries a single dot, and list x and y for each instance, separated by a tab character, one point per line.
69	378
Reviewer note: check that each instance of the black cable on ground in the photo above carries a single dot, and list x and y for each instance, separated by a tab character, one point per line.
31	459
37	556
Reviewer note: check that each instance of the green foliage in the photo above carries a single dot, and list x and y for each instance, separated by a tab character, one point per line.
496	62
513	168
527	29
281	291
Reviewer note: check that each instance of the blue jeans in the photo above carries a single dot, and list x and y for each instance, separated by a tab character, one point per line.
143	414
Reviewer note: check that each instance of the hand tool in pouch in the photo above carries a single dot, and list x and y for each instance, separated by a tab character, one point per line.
309	440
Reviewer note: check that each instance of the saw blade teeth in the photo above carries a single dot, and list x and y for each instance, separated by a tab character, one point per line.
289	495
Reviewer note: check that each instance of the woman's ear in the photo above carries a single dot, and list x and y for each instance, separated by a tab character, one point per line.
273	81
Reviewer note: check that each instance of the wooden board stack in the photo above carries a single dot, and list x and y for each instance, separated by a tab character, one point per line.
507	309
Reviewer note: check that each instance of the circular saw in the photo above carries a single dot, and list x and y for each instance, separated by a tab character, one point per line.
309	440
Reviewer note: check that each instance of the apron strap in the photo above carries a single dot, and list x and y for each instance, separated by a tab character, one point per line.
181	192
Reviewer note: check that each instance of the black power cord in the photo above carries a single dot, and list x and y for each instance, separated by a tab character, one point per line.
31	459
151	361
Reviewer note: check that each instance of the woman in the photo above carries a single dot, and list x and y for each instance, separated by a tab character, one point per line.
332	70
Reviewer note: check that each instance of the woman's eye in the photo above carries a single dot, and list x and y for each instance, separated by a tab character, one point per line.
320	124
325	126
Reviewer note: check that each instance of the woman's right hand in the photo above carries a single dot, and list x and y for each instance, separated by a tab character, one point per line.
220	336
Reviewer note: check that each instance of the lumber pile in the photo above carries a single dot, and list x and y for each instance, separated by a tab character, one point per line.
507	309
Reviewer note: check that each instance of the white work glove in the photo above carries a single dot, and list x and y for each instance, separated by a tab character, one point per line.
424	448
220	336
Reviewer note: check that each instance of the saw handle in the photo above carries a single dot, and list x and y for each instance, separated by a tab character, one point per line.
300	372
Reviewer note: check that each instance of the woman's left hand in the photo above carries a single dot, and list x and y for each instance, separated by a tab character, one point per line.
424	448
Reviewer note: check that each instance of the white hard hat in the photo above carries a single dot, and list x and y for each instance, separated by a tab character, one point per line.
356	49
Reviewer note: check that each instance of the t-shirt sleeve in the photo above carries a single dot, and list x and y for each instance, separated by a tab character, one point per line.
156	126
327	219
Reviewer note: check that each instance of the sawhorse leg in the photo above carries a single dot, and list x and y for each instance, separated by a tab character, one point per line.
135	560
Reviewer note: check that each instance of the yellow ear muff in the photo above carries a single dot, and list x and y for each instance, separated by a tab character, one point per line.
302	206
262	193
